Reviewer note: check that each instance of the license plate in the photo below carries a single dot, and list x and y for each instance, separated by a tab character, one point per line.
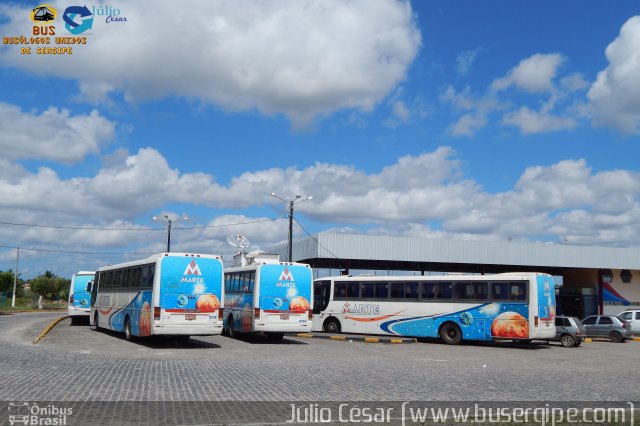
284	316
190	317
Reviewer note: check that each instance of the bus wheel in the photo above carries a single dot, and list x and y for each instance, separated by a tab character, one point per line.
232	329
332	325
450	334
95	322
567	340
616	337
127	329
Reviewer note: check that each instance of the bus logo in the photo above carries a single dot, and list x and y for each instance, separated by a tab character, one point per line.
286	275
192	269
43	13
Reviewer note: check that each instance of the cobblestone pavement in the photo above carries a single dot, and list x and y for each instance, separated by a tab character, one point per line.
77	363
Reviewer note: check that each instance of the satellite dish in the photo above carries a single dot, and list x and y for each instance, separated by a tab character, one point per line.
238	241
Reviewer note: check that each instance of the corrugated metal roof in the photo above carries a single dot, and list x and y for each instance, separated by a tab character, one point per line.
407	249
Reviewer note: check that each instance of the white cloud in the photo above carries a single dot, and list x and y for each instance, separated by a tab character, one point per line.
425	195
52	135
468	125
530	122
534	74
615	95
301	58
465	60
401	112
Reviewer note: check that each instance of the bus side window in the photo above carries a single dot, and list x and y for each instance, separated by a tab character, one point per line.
252	278
411	291
353	291
368	290
518	291
500	291
397	290
382	290
151	275
340	290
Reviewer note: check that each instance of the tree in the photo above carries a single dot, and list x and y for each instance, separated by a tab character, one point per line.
6	283
48	285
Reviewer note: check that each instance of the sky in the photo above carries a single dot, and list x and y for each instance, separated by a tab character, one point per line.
457	119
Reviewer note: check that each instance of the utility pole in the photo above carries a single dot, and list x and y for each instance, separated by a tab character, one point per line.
291	202
15	279
169	224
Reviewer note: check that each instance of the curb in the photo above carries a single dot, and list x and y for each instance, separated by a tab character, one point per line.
347	338
48	328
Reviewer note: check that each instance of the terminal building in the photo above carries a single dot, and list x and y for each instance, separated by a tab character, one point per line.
593	280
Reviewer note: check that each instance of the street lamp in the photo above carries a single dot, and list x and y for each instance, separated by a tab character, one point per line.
169	223
291	202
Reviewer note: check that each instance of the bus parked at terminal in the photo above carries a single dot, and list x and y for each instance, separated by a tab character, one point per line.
267	296
513	306
176	294
80	296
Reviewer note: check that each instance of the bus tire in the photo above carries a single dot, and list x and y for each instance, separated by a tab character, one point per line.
127	329
95	322
450	333
331	325
232	330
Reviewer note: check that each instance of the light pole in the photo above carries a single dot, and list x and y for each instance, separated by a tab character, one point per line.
291	202
169	223
15	279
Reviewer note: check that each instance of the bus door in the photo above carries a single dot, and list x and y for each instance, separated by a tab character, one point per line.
190	290
285	291
321	296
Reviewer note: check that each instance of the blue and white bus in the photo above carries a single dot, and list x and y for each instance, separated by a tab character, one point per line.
511	306
80	296
268	296
176	294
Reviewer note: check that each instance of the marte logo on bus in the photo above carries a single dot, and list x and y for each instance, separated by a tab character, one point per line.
360	308
192	269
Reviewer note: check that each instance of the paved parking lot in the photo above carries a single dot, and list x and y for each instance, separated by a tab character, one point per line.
77	363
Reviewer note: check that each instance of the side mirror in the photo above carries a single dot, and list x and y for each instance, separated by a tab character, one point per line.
89	285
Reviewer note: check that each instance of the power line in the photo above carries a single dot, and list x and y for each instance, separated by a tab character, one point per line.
73	252
315	239
96	228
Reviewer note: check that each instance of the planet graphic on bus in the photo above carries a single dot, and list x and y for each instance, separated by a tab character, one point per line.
207	303
145	320
511	325
299	304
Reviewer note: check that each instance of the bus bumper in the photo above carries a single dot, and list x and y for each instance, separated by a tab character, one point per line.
78	312
283	328
542	334
187	330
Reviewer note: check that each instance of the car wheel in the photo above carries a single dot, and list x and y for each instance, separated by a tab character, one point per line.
332	325
450	334
567	340
616	337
